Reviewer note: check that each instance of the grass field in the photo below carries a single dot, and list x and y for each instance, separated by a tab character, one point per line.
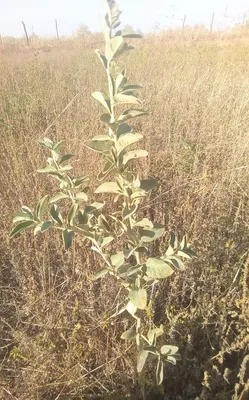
56	341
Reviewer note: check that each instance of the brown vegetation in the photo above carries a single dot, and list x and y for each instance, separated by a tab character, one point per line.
56	338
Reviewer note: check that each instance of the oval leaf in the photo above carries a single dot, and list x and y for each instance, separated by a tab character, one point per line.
133	113
158	269
169	350
101	273
133	155
40	208
108	187
20	227
67	236
129	335
127	140
141	360
65	158
131	308
55	214
72	213
20	217
45	226
138	298
58	196
100	97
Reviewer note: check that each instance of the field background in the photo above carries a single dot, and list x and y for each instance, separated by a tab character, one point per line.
56	341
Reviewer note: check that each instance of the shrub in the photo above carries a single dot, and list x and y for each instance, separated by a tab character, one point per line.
123	239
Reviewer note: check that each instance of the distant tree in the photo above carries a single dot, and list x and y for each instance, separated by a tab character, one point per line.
82	30
129	27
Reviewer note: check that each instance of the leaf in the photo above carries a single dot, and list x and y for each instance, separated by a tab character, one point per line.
128	33
186	253
115	47
171	360
101	144
72	213
159	372
78	181
67	236
100	97
133	155
108	187
138	298
120	98
131	308
27	211
82	217
173	240
45	226
122	271
65	168
46	142
102	138
158	269
128	212
113	13
40	208
101	273
121	80
169	350
130	88
106	241
102	58
123	129
108	167
57	147
81	196
145	222
130	334
65	158
92	208
20	217
176	262
103	224
106	118
155	332
151	234
150	349
127	139
20	227
58	196
117	259
55	214
47	170
50	170
148	184
132	113
141	360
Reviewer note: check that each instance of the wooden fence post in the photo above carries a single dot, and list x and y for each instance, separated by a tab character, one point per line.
26	33
212	23
183	24
56	28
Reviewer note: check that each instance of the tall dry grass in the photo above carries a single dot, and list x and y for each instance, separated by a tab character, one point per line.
57	341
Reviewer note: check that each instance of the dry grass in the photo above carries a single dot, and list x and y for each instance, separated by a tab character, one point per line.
56	340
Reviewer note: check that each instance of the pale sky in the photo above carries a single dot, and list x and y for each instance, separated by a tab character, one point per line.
39	15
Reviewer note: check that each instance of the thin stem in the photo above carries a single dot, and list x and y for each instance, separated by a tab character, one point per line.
138	333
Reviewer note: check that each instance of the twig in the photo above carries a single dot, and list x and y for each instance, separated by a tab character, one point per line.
62	112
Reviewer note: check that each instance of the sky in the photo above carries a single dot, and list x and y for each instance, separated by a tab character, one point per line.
147	15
